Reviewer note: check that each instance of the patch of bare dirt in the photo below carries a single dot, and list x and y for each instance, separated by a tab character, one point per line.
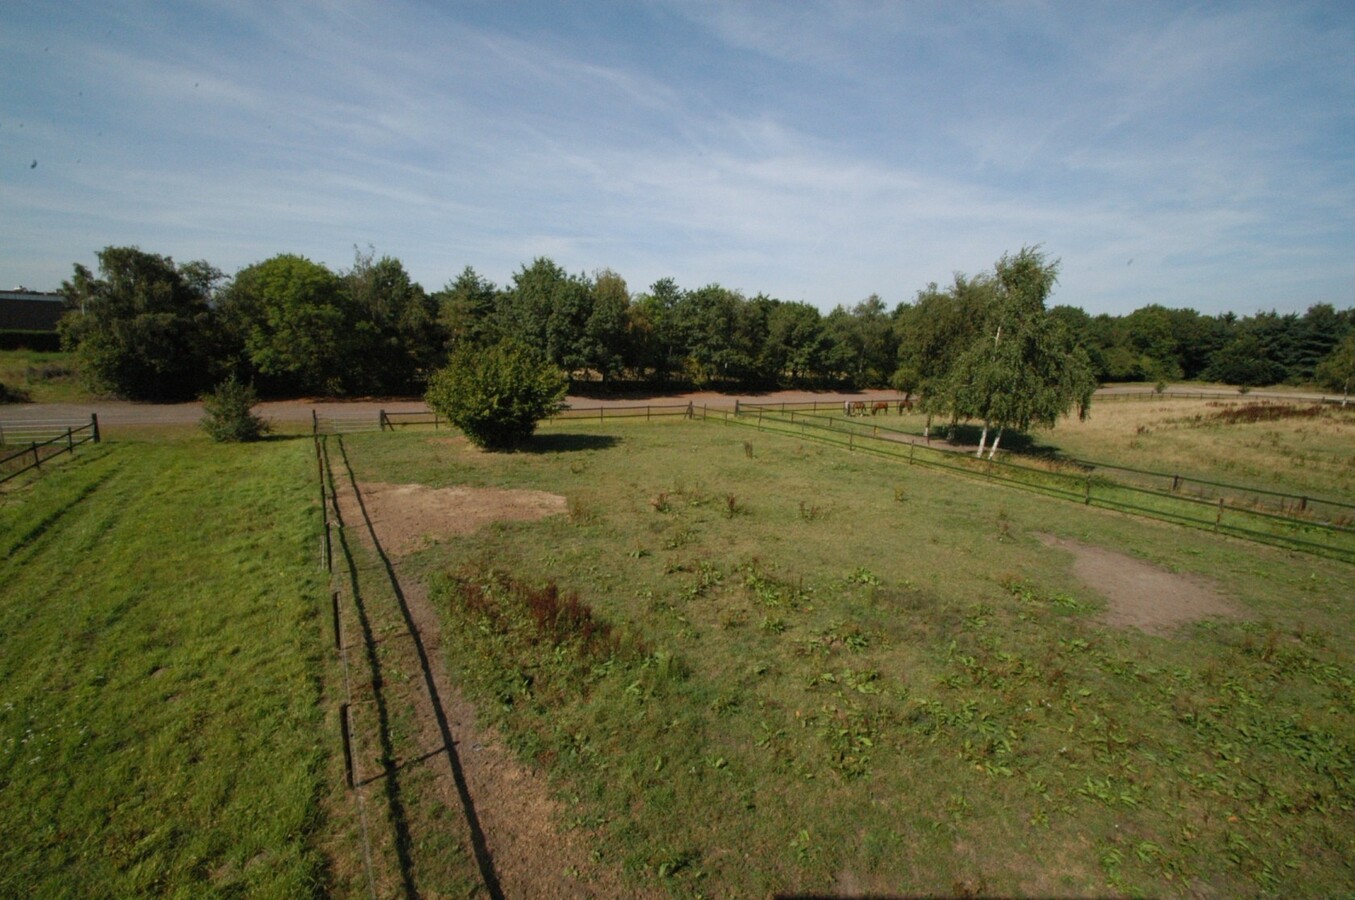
1141	595
408	516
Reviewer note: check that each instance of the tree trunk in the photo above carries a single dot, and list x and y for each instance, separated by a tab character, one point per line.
983	439
996	440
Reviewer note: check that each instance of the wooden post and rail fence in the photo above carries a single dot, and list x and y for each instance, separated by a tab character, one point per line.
43	441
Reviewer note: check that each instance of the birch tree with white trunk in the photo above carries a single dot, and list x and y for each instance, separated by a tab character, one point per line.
1025	370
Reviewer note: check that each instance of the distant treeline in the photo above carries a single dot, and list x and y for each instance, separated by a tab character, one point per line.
145	327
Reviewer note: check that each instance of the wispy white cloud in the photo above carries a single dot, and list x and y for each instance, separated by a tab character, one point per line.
822	151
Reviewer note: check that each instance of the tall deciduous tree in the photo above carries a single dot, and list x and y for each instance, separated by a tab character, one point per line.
655	333
1025	369
397	338
864	346
294	324
722	334
603	344
796	346
144	329
933	333
549	309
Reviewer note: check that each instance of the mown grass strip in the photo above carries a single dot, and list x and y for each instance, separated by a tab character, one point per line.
159	719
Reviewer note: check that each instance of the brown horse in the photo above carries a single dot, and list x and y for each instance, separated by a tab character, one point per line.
856	408
905	405
880	406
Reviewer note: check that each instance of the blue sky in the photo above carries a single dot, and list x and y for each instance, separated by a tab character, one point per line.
1193	155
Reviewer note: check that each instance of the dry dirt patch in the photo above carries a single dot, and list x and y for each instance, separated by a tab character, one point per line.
1141	595
408	516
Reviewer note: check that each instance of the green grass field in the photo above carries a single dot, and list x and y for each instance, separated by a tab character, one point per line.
768	665
42	377
804	669
159	675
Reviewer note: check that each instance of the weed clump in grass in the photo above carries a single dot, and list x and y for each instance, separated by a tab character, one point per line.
1267	412
508	607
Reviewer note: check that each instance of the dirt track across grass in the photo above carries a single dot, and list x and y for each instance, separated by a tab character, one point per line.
293	413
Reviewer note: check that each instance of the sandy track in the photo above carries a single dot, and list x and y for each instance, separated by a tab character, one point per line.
296	412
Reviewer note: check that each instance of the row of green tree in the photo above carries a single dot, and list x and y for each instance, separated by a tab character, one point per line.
145	327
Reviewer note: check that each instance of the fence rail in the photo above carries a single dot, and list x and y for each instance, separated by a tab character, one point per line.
390	421
55	442
1317	526
343	423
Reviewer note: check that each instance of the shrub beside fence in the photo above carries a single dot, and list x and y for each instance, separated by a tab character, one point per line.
25	447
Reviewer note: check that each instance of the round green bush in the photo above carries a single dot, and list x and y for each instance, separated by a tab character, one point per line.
496	395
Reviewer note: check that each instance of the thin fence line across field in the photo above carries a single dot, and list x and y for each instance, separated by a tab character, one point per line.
1092	491
392	419
1176	477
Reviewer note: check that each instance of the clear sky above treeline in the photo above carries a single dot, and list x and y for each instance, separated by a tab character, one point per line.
1192	155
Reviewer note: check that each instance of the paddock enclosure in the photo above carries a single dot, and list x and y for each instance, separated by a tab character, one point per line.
699	651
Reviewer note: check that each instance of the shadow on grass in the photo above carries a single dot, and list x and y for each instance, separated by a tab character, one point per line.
1016	442
568	443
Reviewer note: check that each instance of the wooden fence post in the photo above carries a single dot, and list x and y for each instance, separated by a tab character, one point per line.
315	423
1218	517
94	424
37	460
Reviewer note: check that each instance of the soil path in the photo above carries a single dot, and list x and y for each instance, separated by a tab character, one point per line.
511	816
1141	595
